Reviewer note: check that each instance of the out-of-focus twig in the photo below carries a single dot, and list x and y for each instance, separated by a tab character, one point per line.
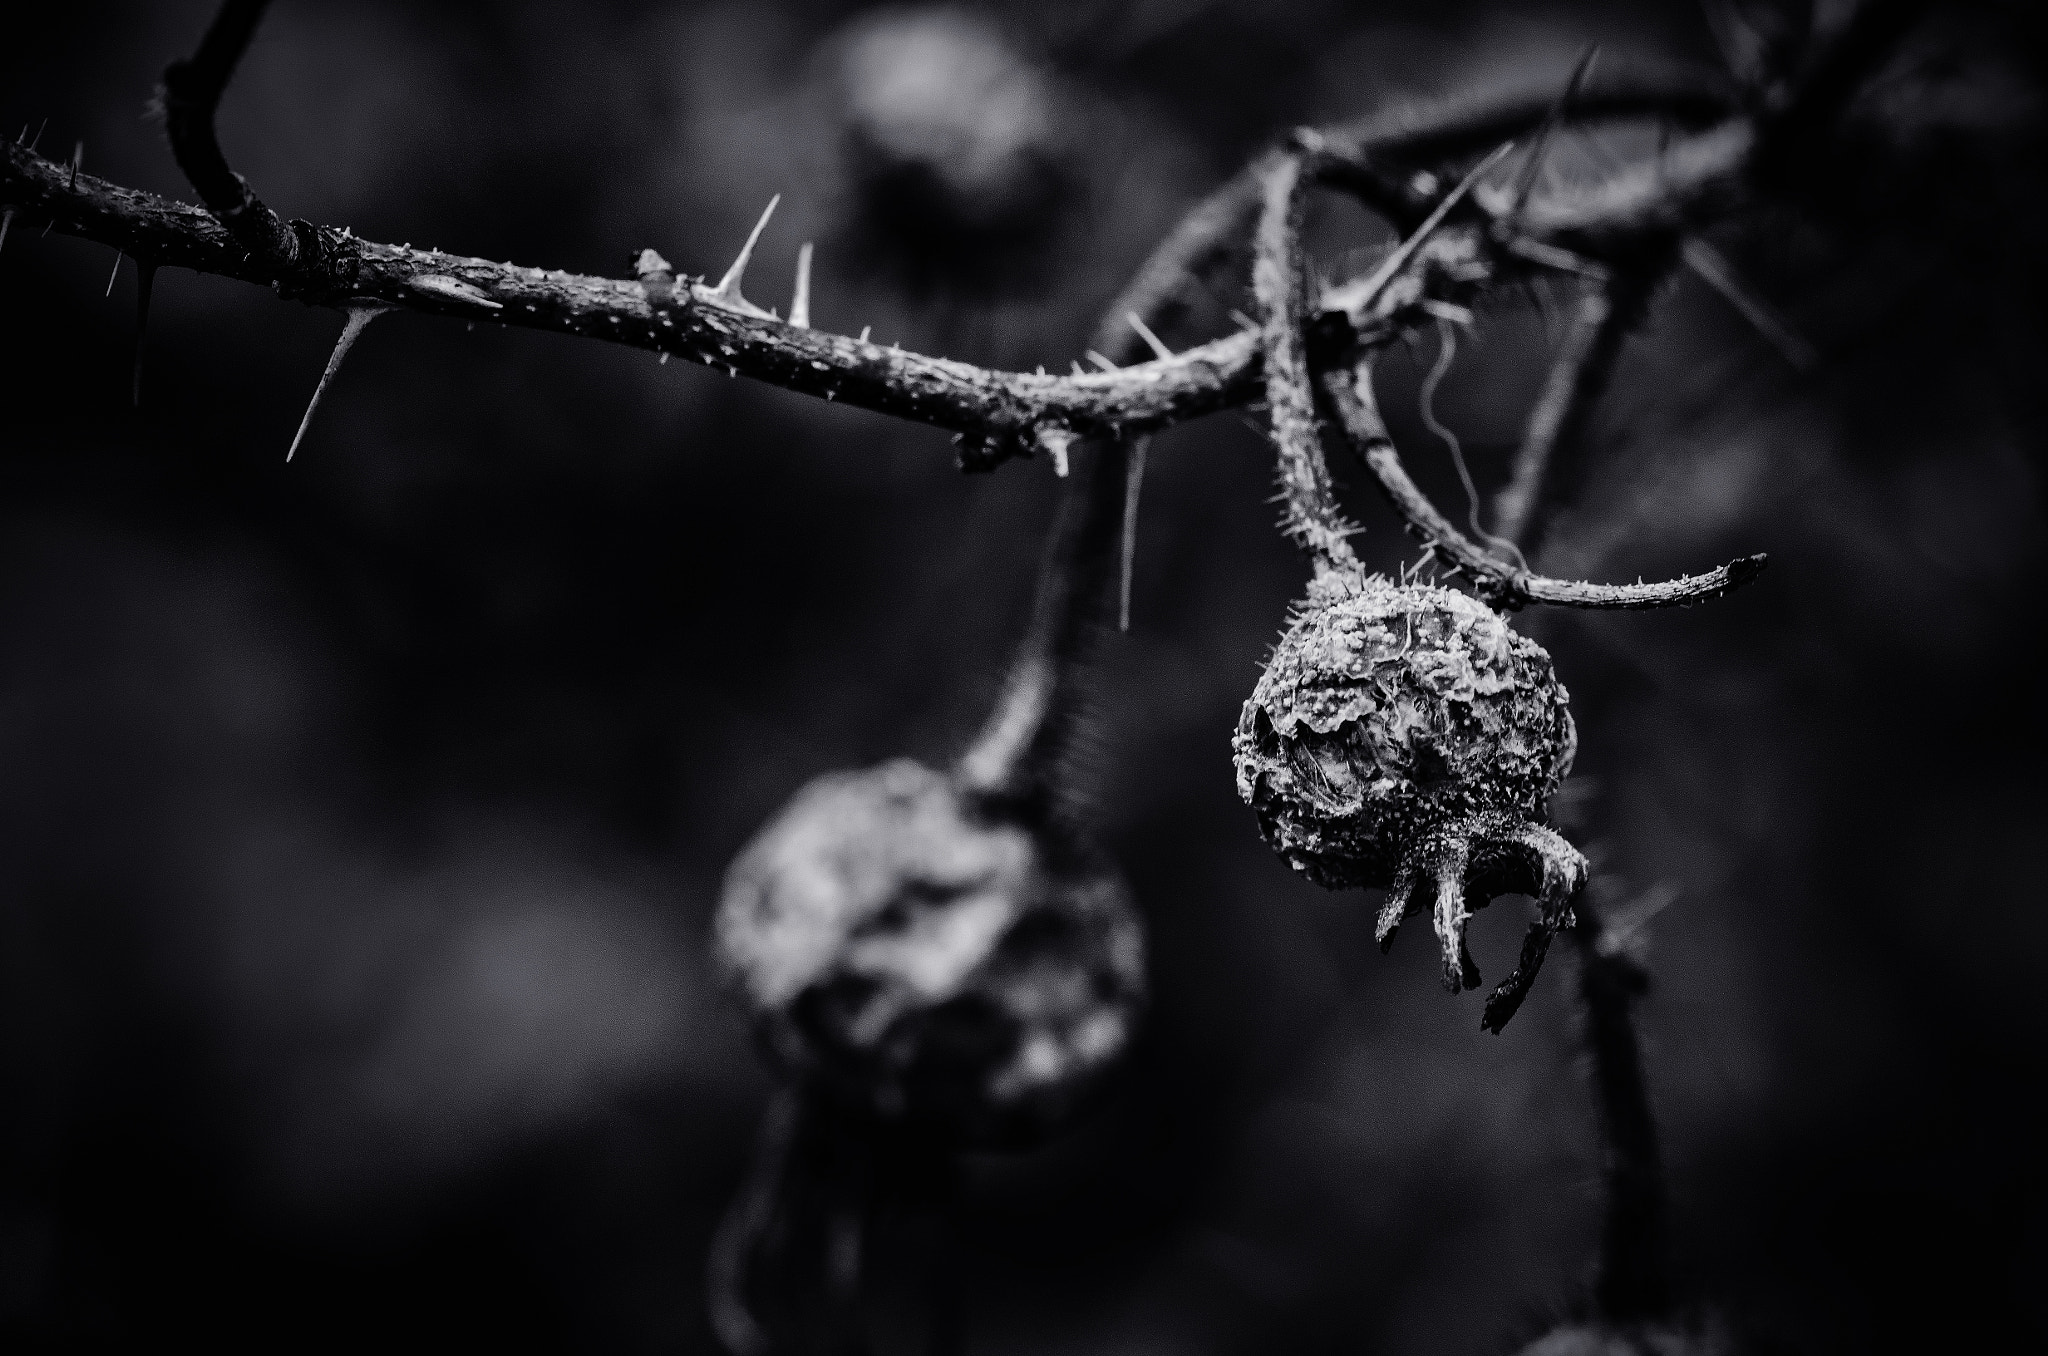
1631	1283
1578	376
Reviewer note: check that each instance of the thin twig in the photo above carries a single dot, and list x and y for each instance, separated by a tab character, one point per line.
1134	481
1532	167
1356	299
729	1266
1576	376
1351	396
1715	270
1631	1284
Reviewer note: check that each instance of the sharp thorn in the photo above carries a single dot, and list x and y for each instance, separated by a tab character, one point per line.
113	275
6	220
358	318
1708	262
1100	361
77	159
800	304
1145	332
1243	321
729	286
1355	299
1134	481
1525	182
39	133
1056	441
145	285
1079	370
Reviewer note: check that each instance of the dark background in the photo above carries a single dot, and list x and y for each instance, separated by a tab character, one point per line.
361	819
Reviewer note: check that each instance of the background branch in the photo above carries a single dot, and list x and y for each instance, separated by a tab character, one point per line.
1631	1283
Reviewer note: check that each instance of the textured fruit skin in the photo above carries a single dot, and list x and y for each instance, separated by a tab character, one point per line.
1404	736
924	960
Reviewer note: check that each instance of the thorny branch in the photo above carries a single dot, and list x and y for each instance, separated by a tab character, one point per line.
696	324
997	414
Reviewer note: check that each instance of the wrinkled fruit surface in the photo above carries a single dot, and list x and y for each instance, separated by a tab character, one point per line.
927	962
1406	737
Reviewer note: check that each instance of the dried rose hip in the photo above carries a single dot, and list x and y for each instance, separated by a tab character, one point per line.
1406	737
923	957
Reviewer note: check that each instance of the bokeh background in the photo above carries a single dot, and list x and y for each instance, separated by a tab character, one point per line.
361	819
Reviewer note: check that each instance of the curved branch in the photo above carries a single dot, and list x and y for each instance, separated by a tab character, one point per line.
190	96
1350	395
1690	103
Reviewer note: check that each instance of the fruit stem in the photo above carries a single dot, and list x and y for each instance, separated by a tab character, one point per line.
1309	514
1631	1283
1016	757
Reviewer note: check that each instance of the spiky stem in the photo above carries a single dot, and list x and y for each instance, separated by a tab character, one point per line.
1309	512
